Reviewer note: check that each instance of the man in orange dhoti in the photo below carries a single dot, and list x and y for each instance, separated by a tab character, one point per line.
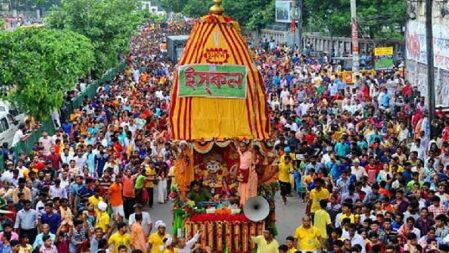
246	175
184	173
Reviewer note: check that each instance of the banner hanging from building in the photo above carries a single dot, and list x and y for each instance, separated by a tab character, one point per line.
416	44
214	81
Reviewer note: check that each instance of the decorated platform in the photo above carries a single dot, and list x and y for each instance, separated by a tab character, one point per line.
219	118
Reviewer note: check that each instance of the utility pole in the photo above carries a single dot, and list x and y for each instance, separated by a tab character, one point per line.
430	64
355	39
299	6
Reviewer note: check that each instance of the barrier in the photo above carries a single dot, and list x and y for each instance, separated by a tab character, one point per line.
47	125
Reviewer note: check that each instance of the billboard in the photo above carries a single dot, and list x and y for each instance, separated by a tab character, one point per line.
284	10
383	58
416	58
416	44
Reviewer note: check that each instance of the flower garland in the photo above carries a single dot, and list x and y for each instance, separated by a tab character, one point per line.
218	217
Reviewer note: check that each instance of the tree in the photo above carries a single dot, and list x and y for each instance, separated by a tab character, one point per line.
252	14
40	64
334	17
196	8
27	5
173	5
107	23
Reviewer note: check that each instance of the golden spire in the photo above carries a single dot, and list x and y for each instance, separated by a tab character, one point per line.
216	8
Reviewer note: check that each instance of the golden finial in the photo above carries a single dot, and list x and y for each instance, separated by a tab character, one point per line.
216	8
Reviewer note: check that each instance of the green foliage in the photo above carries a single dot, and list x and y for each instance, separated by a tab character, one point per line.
196	8
107	23
173	5
153	17
377	18
251	14
28	5
41	64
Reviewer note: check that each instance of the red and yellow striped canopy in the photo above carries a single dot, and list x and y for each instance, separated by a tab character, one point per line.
205	118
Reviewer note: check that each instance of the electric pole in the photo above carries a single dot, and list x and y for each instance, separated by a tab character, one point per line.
355	39
430	64
299	6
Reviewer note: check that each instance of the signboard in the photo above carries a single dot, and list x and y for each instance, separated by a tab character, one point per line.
381	51
348	76
284	10
383	63
383	58
214	81
416	43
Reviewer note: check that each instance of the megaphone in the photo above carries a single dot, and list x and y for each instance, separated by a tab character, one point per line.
256	209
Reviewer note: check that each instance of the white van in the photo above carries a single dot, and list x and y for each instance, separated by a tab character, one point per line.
6	107
8	127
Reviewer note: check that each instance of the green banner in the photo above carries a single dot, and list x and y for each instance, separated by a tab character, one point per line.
384	63
219	81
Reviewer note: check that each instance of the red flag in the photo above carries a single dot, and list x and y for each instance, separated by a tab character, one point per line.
293	26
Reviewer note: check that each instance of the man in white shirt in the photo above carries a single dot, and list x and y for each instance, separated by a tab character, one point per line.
146	219
66	156
80	159
186	247
284	94
355	238
357	170
47	142
57	190
8	174
65	180
19	135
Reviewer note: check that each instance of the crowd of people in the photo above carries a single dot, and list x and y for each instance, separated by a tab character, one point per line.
87	187
361	156
11	22
364	157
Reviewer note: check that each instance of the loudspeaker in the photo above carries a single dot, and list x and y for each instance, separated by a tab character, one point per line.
256	208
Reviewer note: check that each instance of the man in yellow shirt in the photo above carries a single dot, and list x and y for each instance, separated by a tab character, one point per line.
317	194
308	237
322	219
345	213
290	242
102	220
266	242
285	169
156	240
95	199
169	248
121	237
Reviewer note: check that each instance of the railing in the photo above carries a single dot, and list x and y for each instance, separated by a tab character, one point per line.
47	125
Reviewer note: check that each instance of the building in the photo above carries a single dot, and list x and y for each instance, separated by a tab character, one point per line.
152	7
416	61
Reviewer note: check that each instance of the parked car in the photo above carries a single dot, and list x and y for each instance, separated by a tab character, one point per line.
8	127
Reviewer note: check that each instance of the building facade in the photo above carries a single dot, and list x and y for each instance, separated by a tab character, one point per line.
416	53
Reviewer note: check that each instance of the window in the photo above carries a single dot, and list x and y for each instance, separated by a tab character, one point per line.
3	125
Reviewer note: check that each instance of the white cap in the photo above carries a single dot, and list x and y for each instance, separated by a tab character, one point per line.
159	223
169	241
102	206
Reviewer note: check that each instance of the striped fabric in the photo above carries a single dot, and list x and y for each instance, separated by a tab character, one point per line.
195	118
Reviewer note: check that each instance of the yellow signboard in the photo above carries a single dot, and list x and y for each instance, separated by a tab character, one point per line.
382	51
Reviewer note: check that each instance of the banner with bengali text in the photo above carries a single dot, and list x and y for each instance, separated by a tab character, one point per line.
213	81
